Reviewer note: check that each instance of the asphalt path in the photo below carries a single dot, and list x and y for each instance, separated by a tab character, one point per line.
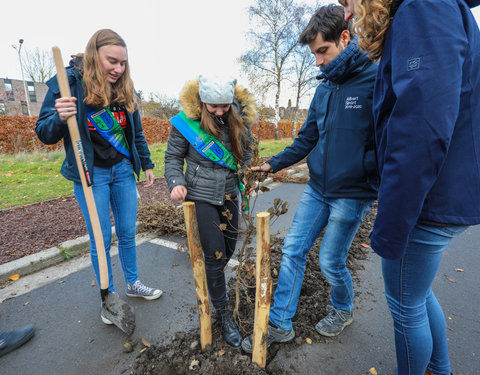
71	339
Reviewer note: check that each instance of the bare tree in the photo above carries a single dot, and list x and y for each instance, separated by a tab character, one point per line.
305	74
160	106
304	70
273	38
39	65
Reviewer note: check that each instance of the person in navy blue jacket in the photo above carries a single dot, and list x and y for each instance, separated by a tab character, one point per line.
427	130
115	149
337	138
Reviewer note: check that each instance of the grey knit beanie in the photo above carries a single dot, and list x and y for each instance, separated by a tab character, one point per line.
216	90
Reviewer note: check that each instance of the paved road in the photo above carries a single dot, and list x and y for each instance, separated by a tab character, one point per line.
71	339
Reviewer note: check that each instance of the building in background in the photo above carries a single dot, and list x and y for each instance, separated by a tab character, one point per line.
12	97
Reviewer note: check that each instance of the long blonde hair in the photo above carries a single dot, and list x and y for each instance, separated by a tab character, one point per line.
98	91
237	129
372	24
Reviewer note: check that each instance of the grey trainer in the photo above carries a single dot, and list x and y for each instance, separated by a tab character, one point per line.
274	335
137	289
335	322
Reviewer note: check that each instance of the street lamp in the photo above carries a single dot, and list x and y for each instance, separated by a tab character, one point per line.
21	69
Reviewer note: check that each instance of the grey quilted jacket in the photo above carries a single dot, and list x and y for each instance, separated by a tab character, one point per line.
205	180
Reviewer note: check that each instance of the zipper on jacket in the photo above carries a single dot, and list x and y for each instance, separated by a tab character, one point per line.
194	175
327	140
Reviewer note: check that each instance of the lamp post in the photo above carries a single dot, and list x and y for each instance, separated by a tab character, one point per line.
21	69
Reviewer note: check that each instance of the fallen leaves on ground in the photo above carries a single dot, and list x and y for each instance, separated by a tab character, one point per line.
194	364
451	279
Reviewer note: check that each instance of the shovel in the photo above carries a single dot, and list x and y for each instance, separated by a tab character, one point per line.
114	309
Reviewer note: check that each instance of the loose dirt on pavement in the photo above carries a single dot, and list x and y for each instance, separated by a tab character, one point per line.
183	355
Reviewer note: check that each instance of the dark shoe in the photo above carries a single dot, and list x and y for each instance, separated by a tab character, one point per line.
230	331
12	340
428	372
274	335
335	322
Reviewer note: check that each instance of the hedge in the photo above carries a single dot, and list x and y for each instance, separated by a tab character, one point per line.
17	133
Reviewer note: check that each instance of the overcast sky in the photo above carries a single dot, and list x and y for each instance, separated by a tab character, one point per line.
169	41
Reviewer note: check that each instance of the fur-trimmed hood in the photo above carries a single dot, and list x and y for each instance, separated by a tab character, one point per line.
243	103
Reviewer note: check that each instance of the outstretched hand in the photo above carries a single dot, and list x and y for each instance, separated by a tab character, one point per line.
178	193
265	167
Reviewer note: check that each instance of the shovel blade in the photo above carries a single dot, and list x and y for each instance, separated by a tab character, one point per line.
119	313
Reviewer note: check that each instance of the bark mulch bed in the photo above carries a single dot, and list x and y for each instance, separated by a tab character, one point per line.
29	229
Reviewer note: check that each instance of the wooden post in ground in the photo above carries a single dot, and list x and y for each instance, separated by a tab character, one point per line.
199	274
263	290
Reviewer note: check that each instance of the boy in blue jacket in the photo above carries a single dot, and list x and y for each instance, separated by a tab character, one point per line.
338	141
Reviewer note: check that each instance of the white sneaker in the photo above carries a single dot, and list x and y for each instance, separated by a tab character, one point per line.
104	319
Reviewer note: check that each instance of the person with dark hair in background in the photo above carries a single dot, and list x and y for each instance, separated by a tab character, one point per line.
427	130
338	141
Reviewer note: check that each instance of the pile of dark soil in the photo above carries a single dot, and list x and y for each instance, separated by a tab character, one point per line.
183	355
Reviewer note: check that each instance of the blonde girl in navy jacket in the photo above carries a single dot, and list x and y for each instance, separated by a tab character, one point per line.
100	79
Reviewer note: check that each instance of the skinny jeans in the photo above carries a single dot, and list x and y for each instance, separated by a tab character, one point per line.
418	320
113	188
341	217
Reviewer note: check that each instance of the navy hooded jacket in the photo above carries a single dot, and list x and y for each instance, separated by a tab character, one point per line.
337	135
427	121
51	129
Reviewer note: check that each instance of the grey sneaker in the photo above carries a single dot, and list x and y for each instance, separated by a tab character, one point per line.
274	335
335	322
137	289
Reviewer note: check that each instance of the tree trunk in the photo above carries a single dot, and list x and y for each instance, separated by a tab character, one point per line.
277	112
294	127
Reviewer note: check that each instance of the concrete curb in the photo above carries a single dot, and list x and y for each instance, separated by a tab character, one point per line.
50	257
72	248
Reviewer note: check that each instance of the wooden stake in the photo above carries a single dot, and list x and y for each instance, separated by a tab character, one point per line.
199	274
263	290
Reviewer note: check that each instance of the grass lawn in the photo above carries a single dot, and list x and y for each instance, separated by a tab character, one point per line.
33	177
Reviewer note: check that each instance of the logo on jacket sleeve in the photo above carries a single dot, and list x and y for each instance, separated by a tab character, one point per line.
352	103
413	64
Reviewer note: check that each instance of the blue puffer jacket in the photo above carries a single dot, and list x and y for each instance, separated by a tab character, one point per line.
337	135
50	130
427	121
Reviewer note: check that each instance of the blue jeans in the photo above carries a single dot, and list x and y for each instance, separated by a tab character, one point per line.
418	320
342	217
114	188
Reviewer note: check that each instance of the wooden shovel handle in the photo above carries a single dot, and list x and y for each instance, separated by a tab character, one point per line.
81	164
